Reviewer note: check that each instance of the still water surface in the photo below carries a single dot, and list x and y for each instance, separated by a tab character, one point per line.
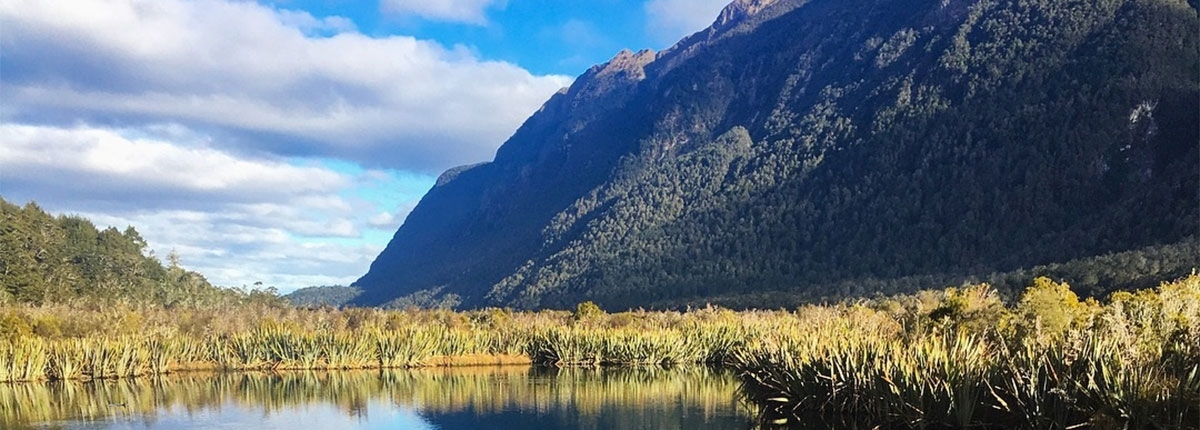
447	399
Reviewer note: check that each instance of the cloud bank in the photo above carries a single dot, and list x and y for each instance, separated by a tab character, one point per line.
261	80
236	220
261	144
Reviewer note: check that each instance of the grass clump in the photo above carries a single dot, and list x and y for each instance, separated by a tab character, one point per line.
1049	361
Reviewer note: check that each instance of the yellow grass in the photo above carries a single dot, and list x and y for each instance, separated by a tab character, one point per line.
959	358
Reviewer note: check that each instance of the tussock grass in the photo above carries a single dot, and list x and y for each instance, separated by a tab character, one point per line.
958	358
1130	363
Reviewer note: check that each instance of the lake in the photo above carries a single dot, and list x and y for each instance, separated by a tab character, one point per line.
446	399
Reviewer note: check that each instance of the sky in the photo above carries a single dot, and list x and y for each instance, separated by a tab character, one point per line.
284	141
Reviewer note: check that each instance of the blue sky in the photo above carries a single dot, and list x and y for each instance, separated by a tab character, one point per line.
543	36
284	141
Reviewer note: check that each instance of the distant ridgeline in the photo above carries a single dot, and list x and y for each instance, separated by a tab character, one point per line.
834	148
46	259
325	295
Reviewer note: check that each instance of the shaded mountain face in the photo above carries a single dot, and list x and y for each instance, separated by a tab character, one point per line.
795	145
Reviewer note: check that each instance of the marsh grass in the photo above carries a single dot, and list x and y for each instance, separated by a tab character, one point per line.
1131	363
959	358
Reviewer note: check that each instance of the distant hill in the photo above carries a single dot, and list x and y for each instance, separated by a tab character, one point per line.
65	259
327	295
803	148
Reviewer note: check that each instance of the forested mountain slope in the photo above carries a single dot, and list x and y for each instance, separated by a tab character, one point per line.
799	146
46	259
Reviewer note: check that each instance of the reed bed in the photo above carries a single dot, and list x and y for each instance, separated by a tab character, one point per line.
321	339
956	358
1131	363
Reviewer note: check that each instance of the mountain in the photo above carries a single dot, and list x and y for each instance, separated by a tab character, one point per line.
811	148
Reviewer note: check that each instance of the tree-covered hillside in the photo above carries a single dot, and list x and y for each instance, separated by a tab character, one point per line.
46	259
803	146
325	295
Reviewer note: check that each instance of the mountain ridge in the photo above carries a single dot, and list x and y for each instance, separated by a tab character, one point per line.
814	142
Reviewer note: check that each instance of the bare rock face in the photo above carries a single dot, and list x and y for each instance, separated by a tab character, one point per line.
609	82
740	10
627	64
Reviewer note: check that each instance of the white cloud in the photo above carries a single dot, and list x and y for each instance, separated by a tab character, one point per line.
233	218
391	220
257	78
311	25
383	220
105	156
465	11
232	254
672	20
259	143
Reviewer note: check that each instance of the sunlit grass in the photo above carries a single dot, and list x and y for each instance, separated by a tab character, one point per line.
1093	371
958	358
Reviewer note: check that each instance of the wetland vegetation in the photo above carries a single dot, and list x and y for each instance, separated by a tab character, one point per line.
960	357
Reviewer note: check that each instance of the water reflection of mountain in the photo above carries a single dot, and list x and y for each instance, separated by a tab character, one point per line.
638	398
490	397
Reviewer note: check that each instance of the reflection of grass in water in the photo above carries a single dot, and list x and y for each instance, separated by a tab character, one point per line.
484	390
588	390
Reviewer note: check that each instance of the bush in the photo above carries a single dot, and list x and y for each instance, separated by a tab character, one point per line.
587	311
48	326
13	326
1048	309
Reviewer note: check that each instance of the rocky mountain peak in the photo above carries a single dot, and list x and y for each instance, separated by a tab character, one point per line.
740	10
632	64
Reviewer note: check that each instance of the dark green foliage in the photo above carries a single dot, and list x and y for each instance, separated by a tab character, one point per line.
425	299
328	295
838	148
66	259
587	311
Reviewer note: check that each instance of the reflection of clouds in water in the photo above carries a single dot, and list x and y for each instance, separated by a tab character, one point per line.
377	414
465	398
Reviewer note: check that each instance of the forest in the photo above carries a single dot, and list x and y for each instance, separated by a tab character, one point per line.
46	259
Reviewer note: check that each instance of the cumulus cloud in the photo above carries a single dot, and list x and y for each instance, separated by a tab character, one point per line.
465	11
234	218
232	254
259	143
311	25
46	160
671	20
260	79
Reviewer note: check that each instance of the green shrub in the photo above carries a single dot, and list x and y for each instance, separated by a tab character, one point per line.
13	326
587	311
48	326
